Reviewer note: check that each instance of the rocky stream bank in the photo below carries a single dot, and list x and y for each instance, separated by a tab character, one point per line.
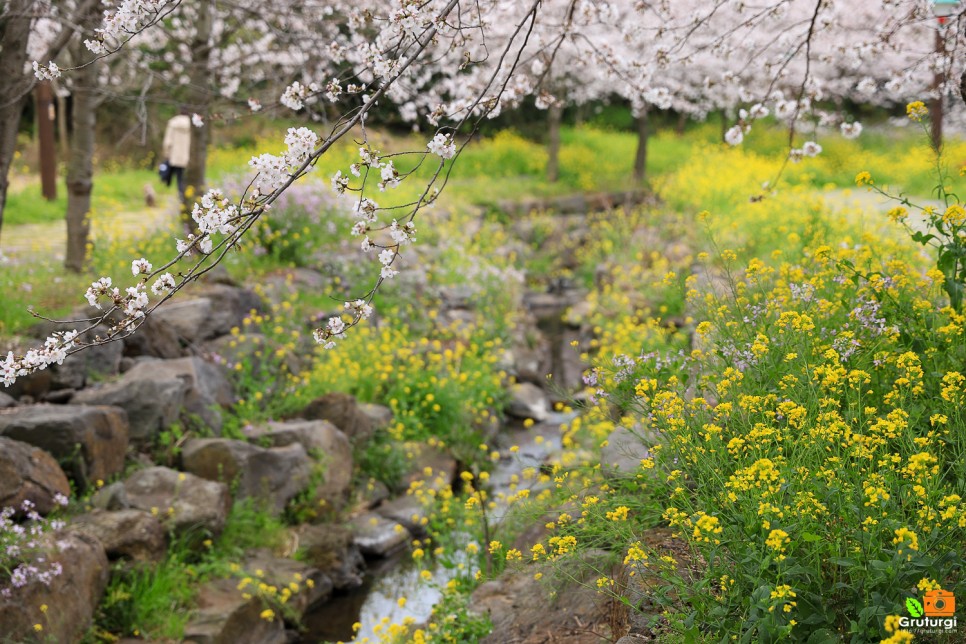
91	427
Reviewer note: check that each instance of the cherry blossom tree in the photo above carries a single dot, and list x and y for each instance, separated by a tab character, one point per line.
29	30
452	63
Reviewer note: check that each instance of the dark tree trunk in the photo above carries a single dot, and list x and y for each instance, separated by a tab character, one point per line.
681	124
554	118
199	101
14	85
80	164
640	158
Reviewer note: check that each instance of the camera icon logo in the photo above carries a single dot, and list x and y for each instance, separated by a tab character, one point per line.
939	603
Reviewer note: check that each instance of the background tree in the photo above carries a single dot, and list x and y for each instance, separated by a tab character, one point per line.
453	63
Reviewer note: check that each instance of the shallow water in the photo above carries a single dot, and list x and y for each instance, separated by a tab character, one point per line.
386	581
398	576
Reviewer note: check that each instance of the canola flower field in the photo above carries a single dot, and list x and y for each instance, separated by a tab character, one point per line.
793	372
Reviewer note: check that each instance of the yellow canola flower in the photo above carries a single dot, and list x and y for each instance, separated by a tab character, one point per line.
954	215
917	110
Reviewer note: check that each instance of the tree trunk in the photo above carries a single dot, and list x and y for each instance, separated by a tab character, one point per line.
640	158
199	101
681	124
14	85
63	136
554	118
80	164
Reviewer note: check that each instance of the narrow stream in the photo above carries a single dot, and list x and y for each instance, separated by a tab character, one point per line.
386	581
398	576
389	579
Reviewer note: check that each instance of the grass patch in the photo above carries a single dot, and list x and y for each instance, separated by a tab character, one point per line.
119	190
155	600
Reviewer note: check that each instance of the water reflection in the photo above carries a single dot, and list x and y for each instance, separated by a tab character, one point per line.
377	601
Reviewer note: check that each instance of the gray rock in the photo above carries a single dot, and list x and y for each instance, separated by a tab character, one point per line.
72	596
58	396
329	548
532	362
214	310
32	386
89	442
528	401
546	305
29	473
234	303
282	573
372	494
132	534
7	401
155	338
343	411
522	609
77	370
99	360
625	449
376	536
111	497
408	511
191	319
186	500
328	446
223	616
271	476
433	468
380	415
459	296
152	402
570	369
207	387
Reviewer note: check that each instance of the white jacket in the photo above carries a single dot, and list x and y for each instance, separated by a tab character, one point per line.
177	141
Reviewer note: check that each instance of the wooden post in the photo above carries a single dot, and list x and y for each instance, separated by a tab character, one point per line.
46	114
936	109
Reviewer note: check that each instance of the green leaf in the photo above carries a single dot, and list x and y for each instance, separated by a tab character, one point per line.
914	607
922	238
809	537
823	636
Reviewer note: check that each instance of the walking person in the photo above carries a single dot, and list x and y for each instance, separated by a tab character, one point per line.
176	148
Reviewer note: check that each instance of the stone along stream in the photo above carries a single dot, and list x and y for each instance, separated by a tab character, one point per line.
398	576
